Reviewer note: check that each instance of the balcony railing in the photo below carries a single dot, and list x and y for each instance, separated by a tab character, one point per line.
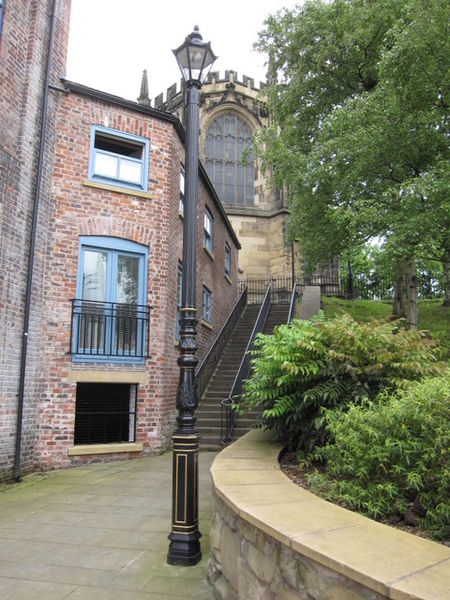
109	329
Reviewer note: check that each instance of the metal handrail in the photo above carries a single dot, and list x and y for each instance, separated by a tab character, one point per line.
209	363
292	304
228	414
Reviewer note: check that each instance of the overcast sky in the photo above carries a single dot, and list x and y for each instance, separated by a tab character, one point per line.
111	41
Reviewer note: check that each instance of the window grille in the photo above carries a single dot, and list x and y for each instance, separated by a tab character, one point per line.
105	413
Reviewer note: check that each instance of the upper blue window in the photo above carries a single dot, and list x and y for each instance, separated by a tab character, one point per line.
182	183
118	158
208	231
227	260
110	319
206	305
2	8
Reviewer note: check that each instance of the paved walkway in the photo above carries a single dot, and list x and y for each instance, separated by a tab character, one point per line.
98	532
310	304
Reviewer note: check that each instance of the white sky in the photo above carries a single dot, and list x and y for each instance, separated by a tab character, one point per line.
112	41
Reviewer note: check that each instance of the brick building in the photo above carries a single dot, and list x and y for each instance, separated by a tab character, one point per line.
90	266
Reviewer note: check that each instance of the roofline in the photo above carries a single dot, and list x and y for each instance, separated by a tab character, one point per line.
164	116
148	110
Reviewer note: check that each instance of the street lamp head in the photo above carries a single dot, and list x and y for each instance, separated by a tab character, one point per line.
195	58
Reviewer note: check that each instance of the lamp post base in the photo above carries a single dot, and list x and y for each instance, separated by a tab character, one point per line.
184	550
184	547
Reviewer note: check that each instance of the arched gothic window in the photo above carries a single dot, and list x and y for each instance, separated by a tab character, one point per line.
226	139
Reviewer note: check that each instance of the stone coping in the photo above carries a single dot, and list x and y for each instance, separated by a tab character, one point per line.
247	477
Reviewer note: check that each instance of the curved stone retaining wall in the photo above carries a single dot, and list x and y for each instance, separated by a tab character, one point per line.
271	539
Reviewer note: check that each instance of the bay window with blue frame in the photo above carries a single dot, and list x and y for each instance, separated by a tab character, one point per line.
206	305
182	188
118	158
208	231
2	9
110	320
227	260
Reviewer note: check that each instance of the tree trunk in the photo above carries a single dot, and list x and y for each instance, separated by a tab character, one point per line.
398	310
446	266
411	294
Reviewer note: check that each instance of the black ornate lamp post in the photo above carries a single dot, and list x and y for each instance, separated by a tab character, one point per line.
194	58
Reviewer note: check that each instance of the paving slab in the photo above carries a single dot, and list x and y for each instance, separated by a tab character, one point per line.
99	532
310	304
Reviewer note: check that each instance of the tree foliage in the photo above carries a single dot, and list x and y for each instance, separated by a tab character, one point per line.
360	124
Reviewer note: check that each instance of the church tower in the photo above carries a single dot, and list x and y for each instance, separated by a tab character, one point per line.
231	113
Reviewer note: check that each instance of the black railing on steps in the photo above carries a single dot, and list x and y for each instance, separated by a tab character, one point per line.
228	414
209	363
292	303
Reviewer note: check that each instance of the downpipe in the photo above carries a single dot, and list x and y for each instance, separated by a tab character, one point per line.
37	193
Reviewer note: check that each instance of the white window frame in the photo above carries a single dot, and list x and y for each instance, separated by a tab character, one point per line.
120	160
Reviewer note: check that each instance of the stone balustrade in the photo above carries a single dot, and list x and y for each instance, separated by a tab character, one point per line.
271	539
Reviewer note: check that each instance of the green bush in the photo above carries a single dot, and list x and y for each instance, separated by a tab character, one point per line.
391	456
310	365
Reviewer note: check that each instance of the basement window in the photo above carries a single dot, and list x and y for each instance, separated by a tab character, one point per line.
118	158
105	413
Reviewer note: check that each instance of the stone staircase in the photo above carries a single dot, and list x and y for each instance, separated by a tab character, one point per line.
209	411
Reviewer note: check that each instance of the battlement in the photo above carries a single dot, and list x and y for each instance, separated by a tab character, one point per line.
174	92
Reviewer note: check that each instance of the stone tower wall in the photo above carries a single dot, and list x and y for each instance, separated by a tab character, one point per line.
260	228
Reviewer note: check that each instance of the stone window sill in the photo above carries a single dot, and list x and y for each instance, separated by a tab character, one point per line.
105	448
208	252
117	188
106	376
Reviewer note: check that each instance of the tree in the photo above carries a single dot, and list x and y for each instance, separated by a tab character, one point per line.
360	127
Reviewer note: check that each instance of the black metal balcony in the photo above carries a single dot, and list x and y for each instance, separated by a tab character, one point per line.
109	329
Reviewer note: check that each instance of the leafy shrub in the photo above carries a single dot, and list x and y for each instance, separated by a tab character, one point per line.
310	365
391	456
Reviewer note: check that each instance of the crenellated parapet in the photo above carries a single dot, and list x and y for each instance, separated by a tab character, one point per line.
228	86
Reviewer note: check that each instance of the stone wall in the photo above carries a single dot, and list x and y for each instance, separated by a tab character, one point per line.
247	563
273	540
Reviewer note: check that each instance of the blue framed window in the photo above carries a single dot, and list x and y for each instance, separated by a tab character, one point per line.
208	231
118	158
110	318
206	308
227	260
182	185
179	287
2	9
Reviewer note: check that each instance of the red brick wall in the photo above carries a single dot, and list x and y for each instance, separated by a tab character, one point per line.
23	55
81	210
